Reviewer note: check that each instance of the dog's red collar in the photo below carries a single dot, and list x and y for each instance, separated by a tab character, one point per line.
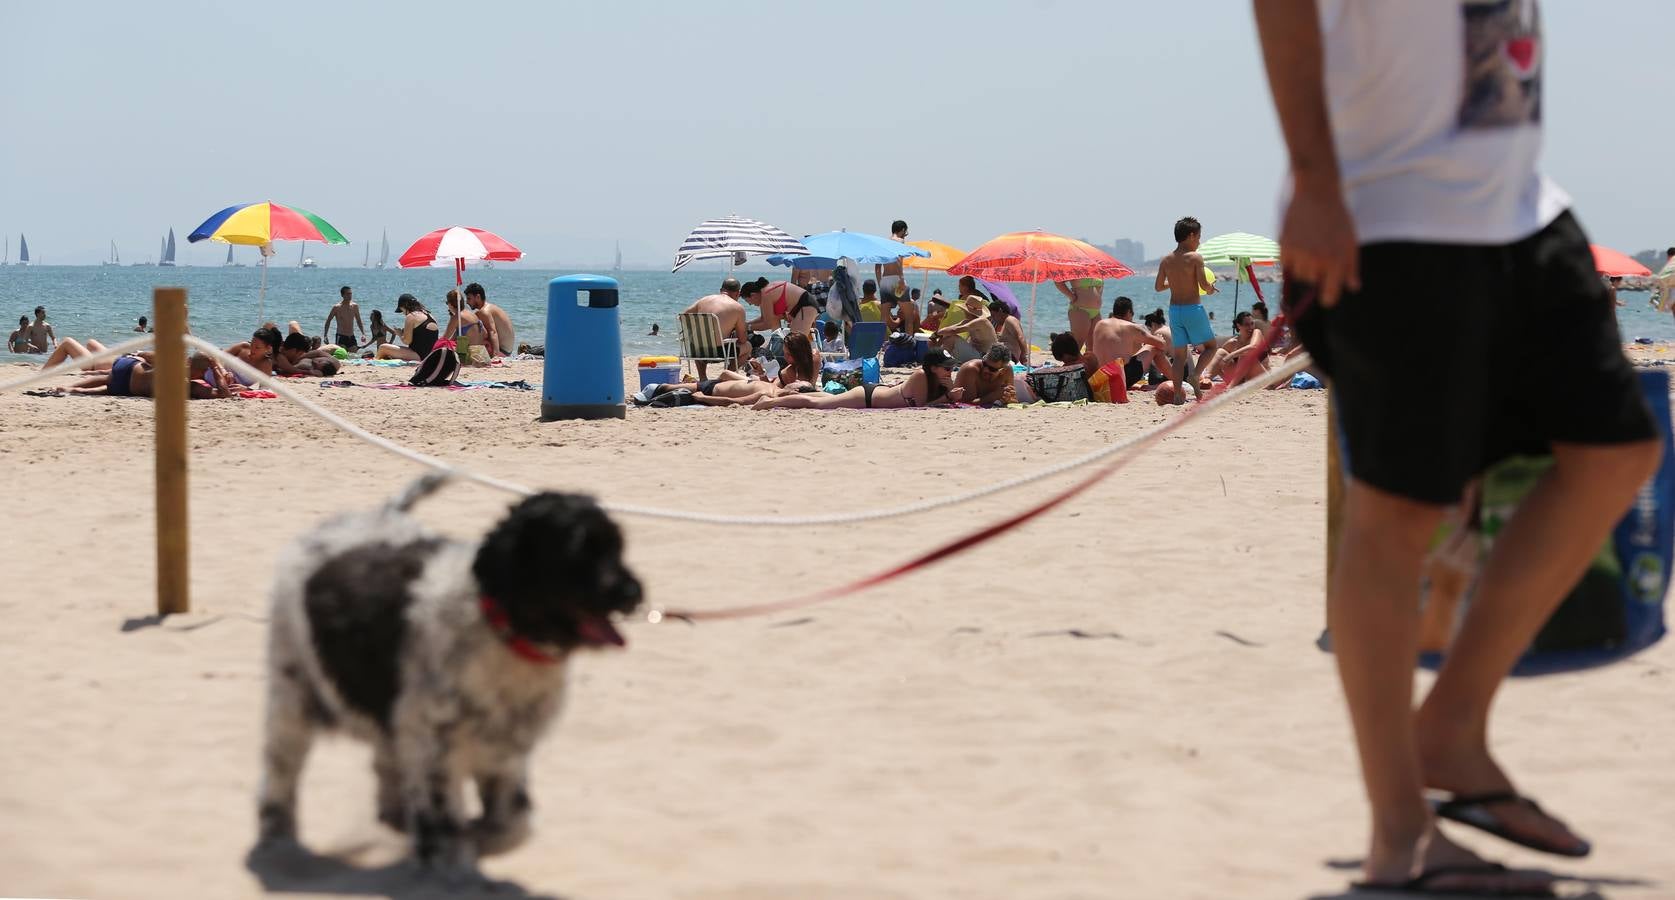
502	627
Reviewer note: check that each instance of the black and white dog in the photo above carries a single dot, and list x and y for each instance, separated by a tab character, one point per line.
447	657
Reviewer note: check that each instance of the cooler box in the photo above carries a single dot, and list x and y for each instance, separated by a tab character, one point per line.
661	374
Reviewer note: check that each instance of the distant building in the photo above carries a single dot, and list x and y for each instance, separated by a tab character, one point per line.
1129	252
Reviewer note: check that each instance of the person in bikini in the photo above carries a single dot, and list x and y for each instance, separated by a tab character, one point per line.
258	352
1182	273
1246	340
932	385
18	342
347	315
470	332
1086	296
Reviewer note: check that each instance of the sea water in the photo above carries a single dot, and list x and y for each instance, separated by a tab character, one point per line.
104	302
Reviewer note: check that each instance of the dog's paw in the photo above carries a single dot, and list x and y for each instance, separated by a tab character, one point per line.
275	824
499	837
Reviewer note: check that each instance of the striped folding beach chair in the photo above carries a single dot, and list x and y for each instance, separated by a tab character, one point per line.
701	340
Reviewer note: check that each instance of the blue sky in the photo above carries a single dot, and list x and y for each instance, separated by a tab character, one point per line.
567	126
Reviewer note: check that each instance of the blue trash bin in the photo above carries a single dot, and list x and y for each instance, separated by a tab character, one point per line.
583	372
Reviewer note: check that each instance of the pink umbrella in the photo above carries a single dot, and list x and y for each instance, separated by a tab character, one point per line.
455	246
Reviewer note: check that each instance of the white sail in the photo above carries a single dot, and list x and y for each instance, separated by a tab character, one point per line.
168	250
7	259
366	260
384	253
22	250
229	255
302	250
162	249
618	268
115	259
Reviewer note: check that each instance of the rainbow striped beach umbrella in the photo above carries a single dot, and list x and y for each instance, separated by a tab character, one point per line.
260	224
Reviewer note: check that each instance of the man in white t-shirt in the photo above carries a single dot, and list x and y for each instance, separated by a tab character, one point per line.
1413	131
1663	299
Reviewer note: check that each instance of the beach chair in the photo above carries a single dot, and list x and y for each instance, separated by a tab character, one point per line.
701	340
866	339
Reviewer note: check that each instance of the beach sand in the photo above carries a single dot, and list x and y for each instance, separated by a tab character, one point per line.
1122	699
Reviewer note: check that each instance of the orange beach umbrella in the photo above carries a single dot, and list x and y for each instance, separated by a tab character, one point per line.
1037	256
1610	262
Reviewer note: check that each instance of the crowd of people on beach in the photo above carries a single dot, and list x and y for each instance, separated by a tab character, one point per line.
477	330
969	349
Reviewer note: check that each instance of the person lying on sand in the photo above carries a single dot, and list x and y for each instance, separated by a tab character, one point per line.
296	358
258	352
133	376
70	348
802	363
932	385
988	381
731	389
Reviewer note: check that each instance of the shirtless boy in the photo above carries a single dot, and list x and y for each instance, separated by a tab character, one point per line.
724	306
1182	273
347	314
1118	338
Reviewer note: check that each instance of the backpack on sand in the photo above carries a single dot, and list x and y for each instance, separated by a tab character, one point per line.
438	369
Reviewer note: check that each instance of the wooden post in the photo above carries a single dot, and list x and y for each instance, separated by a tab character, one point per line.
169	394
1334	497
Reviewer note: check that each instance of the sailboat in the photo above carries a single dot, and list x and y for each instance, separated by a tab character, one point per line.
229	262
366	260
384	252
617	269
115	260
304	262
7	259
167	259
22	250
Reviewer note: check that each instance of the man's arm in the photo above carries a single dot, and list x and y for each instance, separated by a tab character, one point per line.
326	329
359	328
1317	237
491	341
52	337
1162	278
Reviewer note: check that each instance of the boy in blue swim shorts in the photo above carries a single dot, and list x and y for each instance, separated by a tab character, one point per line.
1182	273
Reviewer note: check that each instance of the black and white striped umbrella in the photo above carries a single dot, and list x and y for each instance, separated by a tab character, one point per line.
736	237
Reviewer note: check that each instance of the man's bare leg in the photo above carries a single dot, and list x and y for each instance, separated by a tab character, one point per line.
1543	551
1373	600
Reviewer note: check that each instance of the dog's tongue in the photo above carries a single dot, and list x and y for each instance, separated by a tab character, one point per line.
597	631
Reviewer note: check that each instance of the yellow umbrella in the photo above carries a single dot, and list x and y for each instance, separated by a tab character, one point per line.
941	256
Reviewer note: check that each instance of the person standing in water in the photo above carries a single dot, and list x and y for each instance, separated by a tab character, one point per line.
347	314
1182	274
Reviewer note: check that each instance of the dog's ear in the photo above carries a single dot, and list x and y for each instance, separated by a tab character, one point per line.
555	560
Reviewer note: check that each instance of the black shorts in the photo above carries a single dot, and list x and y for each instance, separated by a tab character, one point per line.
347	341
1133	371
1453	357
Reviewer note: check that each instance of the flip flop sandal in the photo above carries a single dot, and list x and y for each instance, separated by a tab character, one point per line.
1423	884
1473	810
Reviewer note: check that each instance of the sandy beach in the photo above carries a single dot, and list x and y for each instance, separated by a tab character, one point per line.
1122	699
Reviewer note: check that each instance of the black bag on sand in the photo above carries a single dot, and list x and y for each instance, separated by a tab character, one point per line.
439	368
1061	384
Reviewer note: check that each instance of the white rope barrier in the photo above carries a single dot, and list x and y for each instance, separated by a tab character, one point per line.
75	365
1283	373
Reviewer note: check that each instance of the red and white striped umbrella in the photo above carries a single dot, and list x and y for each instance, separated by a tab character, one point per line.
457	245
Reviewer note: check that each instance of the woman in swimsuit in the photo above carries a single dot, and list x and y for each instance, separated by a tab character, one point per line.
469	332
133	376
1086	296
419	332
802	362
932	385
70	348
257	352
379	333
18	342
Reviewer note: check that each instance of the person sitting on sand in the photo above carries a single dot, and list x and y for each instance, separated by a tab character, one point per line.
297	357
831	339
1068	352
1007	328
1118	339
472	334
1227	357
726	308
142	327
802	363
505	341
979	332
932	385
871	309
988	381
378	333
419	331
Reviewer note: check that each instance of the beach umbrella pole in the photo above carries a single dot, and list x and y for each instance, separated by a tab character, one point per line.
262	296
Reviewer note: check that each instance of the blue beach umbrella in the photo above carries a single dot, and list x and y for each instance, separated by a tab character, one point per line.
824	250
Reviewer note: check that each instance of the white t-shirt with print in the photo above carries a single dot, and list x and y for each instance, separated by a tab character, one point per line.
1436	114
